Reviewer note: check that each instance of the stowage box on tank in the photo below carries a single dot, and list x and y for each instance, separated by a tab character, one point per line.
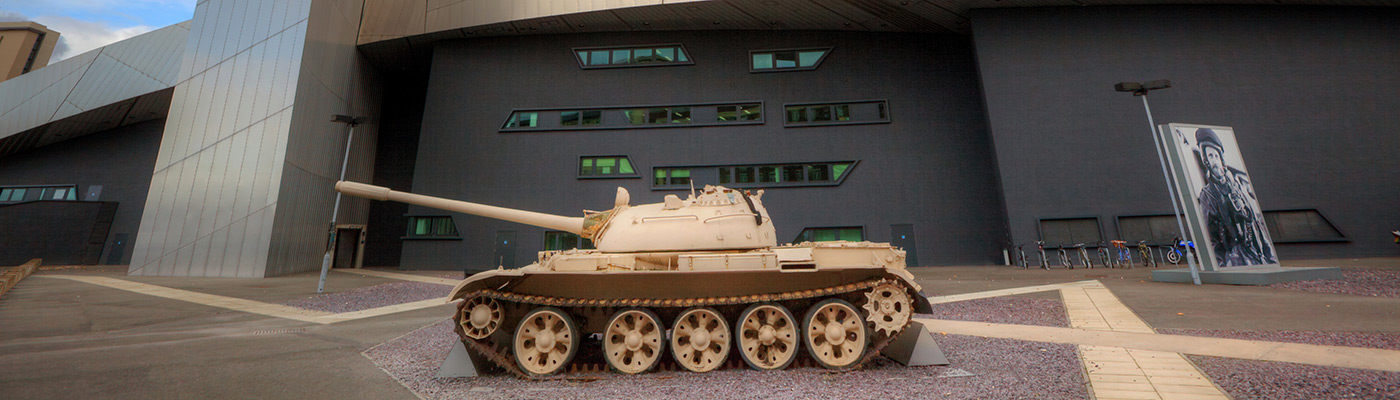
707	268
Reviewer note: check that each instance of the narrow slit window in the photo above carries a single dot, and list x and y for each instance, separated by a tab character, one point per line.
786	60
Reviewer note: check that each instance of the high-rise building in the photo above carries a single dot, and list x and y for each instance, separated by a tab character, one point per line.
24	47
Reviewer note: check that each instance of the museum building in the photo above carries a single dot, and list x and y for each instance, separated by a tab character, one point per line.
954	129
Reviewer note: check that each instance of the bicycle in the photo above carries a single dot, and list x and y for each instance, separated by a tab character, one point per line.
1179	249
1064	257
1104	257
1084	256
1146	253
1044	261
1123	254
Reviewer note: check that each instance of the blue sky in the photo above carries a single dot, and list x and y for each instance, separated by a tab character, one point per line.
84	25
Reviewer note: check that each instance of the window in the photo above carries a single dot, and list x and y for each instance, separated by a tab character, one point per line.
432	227
672	176
787	60
605	167
635	117
1299	226
1069	231
764	176
632	56
522	120
1155	229
560	240
848	113
741	112
848	233
577	118
35	193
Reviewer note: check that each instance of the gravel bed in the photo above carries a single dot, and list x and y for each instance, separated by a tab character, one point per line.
384	294
1002	368
1251	379
1374	340
1355	281
1005	310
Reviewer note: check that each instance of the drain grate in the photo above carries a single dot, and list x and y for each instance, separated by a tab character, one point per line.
278	331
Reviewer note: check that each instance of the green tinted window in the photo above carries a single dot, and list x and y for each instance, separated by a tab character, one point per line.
680	115
837	170
809	58
796	114
850	234
743	175
605	166
818	173
592	117
559	240
568	118
660	178
762	61
432	226
680	177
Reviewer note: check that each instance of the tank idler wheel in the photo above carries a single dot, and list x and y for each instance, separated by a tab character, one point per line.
888	306
634	341
480	316
835	334
767	336
545	341
700	340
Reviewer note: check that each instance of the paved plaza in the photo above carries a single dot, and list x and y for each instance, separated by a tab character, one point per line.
75	332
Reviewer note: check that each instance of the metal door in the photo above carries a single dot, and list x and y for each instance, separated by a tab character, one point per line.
902	236
505	249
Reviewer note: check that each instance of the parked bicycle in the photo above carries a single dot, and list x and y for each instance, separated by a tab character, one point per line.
1146	252
1105	257
1044	262
1125	257
1064	258
1180	249
1084	255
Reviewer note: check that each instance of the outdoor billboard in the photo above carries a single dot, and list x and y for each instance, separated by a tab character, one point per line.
1217	194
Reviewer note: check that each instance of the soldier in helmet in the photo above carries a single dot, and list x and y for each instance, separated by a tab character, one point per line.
1232	223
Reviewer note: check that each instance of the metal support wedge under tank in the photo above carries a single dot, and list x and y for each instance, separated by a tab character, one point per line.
707	267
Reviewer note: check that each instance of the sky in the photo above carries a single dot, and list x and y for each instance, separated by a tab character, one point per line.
84	25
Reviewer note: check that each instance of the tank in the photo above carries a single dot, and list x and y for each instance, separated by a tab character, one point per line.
696	281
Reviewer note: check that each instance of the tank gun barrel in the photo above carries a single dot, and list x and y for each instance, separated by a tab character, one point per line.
572	225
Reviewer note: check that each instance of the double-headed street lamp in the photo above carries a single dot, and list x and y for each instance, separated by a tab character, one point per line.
1140	90
330	243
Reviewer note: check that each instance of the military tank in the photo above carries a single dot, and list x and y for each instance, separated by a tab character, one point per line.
707	269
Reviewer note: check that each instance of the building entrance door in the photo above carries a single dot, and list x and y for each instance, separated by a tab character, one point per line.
505	249
902	236
349	246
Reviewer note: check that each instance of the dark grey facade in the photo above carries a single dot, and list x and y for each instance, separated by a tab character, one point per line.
930	166
120	160
1310	91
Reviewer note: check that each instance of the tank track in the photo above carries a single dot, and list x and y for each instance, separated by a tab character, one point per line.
500	355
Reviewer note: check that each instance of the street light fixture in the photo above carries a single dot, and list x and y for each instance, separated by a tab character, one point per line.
1140	90
330	243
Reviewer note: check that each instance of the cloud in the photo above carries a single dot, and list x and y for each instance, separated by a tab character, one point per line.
77	37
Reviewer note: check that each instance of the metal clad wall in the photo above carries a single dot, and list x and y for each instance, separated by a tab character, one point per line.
334	79
1309	91
932	166
211	200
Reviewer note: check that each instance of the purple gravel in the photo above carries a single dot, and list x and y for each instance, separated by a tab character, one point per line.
1251	379
1355	281
1005	369
1005	310
1374	340
384	294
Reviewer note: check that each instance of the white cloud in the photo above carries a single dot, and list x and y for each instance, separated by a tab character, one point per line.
77	37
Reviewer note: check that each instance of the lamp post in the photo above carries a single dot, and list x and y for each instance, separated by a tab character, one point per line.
1140	90
330	244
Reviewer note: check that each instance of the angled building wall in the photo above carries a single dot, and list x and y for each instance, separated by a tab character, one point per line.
248	123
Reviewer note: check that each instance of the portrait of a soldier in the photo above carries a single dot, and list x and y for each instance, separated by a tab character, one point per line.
1233	223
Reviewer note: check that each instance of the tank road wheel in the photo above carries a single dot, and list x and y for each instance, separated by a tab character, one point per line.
888	307
634	341
700	340
545	341
480	316
835	333
767	336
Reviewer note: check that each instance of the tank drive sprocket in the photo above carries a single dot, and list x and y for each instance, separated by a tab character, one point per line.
888	307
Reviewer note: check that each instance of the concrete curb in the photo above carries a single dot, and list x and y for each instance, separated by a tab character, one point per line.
12	277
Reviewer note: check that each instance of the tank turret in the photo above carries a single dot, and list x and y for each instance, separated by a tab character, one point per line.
717	218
